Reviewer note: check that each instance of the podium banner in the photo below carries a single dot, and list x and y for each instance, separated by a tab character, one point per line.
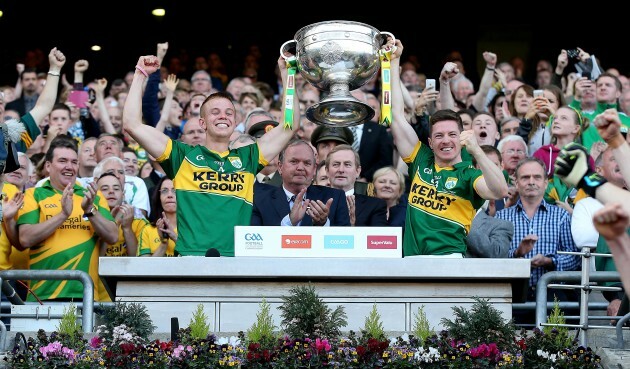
355	242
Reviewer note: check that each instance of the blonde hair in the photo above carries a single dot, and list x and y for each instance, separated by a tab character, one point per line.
371	190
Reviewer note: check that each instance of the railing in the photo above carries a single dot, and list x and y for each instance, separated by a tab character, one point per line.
585	277
78	275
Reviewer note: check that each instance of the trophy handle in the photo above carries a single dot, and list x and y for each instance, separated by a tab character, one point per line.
284	49
388	34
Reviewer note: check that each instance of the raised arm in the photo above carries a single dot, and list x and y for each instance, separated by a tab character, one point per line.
405	138
170	83
493	185
152	140
609	128
479	101
99	90
272	142
47	99
449	71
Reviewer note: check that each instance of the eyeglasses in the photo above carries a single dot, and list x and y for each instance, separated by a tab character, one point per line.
199	79
165	191
512	152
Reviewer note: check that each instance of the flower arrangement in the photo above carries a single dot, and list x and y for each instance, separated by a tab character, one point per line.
473	340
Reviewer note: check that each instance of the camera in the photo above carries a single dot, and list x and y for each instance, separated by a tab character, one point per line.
573	54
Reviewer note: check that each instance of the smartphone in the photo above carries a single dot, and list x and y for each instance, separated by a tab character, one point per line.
78	98
430	84
538	93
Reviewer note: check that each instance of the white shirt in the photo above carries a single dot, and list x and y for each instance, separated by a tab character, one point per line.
286	221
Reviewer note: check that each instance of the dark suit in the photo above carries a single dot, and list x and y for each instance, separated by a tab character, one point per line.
376	149
489	237
398	214
18	105
276	180
271	205
370	211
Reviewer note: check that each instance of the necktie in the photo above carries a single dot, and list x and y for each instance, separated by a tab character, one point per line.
291	201
266	179
355	143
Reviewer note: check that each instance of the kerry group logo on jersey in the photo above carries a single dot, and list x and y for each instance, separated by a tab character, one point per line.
296	241
253	241
338	242
381	242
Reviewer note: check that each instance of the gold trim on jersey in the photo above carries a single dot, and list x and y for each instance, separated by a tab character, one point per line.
446	206
196	178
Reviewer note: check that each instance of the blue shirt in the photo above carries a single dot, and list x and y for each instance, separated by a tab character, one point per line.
552	225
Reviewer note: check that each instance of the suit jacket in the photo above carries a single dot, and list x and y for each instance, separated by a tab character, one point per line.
489	237
276	180
370	211
398	214
17	105
376	149
271	205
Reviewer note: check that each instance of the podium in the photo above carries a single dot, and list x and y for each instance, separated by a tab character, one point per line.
232	288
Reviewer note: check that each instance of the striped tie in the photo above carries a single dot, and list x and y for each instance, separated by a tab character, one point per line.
355	142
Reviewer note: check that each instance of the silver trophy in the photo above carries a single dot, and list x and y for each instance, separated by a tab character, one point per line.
338	57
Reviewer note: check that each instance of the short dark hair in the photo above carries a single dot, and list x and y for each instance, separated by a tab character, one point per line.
61	141
488	149
530	159
442	115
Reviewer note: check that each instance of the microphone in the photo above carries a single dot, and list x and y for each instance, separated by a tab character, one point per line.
213	253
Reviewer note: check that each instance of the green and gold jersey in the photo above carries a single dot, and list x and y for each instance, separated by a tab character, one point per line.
442	205
149	241
30	134
71	247
120	247
215	193
10	257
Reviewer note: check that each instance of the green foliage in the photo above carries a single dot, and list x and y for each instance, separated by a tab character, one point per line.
373	326
561	333
69	328
482	324
421	329
199	326
304	314
263	331
132	315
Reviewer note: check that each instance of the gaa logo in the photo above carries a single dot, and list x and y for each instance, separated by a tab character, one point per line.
253	237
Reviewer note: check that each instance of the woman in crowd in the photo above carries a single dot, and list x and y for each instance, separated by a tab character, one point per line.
389	184
159	237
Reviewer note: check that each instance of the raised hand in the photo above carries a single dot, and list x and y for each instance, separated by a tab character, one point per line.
611	221
100	86
469	140
350	200
10	207
56	59
449	71
572	168
88	197
299	207
66	200
162	48
490	58
609	127
166	227
81	66
319	211
171	82
149	63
